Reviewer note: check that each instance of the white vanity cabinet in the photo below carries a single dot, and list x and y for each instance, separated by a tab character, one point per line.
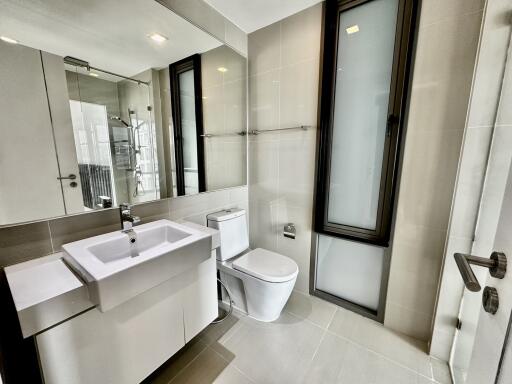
127	343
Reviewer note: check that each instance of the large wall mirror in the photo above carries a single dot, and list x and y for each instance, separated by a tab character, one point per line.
106	102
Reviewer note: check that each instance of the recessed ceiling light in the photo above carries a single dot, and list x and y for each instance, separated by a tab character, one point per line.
158	37
352	29
93	74
8	40
222	69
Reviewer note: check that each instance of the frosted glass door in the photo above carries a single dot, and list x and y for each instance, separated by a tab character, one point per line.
366	39
366	58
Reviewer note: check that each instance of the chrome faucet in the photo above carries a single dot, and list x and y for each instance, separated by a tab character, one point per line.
127	219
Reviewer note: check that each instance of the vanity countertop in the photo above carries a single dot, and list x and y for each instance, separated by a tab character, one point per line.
46	292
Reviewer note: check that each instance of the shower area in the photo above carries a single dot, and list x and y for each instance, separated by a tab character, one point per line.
114	135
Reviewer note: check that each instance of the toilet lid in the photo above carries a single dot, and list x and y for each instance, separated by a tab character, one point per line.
267	265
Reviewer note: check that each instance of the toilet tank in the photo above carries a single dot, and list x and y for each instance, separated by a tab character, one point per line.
232	225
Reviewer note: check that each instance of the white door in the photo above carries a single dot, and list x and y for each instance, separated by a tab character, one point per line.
490	339
478	345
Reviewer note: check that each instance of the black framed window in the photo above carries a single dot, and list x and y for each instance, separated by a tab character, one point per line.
365	67
187	116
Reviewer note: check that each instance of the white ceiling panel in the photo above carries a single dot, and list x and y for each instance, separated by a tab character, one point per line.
110	34
251	15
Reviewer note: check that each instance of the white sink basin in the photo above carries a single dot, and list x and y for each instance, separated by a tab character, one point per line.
116	270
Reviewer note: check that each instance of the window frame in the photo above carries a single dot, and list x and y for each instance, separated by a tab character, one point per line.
175	69
396	111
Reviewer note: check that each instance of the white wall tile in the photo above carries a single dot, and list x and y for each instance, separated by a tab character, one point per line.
300	36
443	69
283	91
264	47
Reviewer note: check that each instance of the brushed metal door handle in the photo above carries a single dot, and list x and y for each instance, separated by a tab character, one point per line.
71	176
497	265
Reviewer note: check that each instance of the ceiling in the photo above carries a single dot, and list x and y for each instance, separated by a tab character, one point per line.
109	34
251	15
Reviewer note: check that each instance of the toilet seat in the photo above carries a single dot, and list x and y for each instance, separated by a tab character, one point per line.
267	266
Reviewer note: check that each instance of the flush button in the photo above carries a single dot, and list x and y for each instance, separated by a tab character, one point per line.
490	300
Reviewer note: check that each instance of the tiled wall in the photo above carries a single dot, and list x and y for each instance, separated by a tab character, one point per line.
29	241
224	112
283	92
472	171
442	76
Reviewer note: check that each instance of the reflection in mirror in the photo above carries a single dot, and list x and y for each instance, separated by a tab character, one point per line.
93	117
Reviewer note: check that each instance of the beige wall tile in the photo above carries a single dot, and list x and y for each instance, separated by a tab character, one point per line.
298	249
73	228
409	322
151	211
264	47
297	167
298	96
434	11
263	223
264	100
301	36
428	177
441	86
24	242
284	93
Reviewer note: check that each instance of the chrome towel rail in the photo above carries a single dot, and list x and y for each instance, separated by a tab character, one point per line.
300	127
255	132
208	135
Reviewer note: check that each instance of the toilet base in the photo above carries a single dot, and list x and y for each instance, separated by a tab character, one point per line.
261	300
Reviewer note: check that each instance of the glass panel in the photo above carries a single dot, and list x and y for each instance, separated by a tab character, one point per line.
350	270
364	65
188	132
92	142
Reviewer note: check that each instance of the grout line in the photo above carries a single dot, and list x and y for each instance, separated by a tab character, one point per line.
450	18
318	347
305	320
378	354
188	364
332	318
51	237
229	363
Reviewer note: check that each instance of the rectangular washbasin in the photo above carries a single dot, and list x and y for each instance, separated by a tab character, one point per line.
115	269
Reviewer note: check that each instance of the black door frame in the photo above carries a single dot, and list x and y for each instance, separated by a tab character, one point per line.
175	69
396	110
405	38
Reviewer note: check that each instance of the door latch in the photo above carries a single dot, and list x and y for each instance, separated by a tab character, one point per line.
497	265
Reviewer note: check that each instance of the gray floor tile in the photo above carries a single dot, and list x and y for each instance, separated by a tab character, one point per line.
178	362
399	348
293	350
277	352
309	307
206	368
231	375
440	371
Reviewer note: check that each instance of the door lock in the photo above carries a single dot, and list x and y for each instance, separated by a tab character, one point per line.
490	300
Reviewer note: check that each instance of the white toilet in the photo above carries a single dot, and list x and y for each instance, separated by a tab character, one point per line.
259	281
